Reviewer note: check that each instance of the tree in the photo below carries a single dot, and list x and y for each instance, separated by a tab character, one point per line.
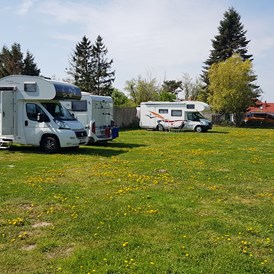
120	99
171	86
90	69
12	62
230	89
231	39
101	74
80	68
191	88
29	67
142	90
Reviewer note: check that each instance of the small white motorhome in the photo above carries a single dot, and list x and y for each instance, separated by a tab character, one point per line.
183	115
96	114
31	114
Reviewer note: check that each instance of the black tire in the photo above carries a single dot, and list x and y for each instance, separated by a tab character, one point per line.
199	129
160	127
50	144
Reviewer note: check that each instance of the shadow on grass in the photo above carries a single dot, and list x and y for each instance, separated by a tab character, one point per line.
217	132
102	149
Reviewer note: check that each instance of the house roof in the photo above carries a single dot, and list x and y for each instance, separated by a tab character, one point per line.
262	107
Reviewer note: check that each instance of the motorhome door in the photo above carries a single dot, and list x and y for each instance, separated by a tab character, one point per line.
33	129
7	112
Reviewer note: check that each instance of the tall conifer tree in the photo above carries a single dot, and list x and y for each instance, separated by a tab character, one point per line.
30	68
102	75
80	65
12	61
230	40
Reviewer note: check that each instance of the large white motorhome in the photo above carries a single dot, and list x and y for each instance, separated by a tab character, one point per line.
31	114
96	114
183	115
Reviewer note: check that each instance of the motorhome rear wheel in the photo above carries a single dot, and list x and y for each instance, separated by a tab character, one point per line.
160	127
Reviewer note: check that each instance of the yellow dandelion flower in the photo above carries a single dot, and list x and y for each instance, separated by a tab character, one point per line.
125	244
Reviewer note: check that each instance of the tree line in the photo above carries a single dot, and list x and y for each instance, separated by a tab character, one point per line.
227	81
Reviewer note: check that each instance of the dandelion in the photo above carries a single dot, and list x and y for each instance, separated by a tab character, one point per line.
125	244
152	211
16	222
23	236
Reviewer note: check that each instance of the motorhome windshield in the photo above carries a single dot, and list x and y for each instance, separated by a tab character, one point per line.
58	111
194	116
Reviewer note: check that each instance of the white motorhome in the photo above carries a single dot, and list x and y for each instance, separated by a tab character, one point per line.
31	114
183	115
96	114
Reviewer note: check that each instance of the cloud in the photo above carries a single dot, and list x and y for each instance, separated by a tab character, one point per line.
24	7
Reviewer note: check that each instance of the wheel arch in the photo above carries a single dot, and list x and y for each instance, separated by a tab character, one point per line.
45	135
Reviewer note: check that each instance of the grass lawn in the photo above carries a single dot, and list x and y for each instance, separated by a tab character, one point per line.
148	202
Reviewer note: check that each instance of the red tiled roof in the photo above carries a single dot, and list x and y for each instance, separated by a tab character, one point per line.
262	107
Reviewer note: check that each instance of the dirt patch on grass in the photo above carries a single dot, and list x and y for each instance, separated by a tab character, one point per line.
28	247
41	224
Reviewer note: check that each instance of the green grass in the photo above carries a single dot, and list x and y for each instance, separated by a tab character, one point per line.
148	202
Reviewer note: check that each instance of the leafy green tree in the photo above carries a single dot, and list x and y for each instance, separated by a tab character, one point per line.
231	39
142	90
120	99
80	67
169	90
29	67
166	96
230	89
101	74
12	62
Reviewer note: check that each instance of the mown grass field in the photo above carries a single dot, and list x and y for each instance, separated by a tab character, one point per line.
148	202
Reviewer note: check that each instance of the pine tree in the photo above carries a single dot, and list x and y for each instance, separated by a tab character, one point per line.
12	62
16	59
80	68
230	40
101	73
29	67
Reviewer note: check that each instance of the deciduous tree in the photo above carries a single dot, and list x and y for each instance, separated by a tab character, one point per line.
230	89
142	90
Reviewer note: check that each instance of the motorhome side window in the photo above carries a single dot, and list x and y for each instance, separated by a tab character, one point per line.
163	111
30	87
190	106
79	105
33	110
176	112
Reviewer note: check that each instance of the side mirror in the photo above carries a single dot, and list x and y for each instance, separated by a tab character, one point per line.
42	118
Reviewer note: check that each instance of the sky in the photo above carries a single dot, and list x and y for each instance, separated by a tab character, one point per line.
162	39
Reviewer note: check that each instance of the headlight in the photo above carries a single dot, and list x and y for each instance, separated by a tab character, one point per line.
61	125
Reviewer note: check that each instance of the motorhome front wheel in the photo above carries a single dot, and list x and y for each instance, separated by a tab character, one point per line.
50	144
199	129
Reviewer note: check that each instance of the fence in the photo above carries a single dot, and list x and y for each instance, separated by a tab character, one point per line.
126	117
